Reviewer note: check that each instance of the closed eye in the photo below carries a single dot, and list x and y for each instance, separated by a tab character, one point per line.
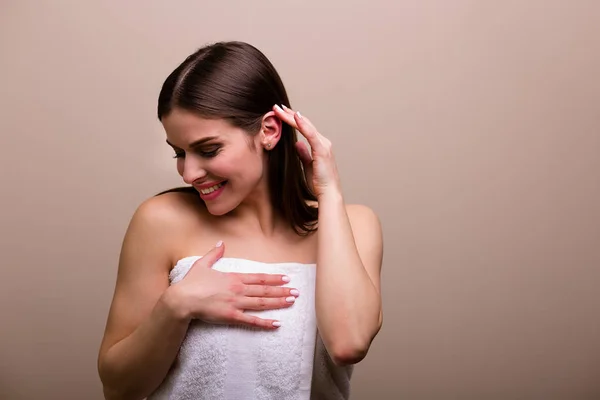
205	154
211	153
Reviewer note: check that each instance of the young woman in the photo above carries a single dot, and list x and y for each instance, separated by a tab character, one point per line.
256	281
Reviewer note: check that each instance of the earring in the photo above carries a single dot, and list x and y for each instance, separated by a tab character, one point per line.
268	145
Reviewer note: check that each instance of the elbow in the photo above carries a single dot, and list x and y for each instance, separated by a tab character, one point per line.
105	372
112	387
349	351
345	358
343	355
352	350
112	393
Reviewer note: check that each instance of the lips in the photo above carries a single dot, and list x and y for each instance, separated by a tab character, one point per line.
206	190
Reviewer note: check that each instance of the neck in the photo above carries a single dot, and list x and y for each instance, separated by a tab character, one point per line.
257	213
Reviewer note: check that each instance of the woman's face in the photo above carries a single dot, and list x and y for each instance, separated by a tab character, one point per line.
223	162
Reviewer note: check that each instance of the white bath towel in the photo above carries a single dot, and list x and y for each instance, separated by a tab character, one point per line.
220	362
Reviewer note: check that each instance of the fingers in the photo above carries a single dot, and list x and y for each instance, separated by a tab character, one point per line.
239	317
287	109
212	256
262	279
286	115
306	127
269	291
264	303
299	118
302	124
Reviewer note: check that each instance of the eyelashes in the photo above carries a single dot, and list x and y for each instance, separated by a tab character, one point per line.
210	154
205	154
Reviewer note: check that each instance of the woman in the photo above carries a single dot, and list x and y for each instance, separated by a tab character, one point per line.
296	301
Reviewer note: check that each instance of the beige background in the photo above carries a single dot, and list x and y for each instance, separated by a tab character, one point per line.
471	127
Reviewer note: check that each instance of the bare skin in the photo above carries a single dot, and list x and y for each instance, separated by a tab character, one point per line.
148	319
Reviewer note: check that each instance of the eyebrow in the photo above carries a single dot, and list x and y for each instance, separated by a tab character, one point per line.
197	142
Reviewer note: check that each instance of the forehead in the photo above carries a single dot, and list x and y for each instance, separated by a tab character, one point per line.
184	127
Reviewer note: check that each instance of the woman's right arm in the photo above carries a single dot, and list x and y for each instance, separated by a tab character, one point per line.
144	328
148	319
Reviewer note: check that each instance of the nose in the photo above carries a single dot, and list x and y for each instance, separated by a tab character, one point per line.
192	170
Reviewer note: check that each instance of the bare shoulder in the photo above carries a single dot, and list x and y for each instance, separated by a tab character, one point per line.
367	231
157	226
363	216
366	226
167	208
166	215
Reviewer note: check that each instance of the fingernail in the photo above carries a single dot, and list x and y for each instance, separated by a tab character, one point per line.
284	107
219	243
294	292
278	108
276	323
285	278
290	299
299	115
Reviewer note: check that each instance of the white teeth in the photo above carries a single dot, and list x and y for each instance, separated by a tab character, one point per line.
212	188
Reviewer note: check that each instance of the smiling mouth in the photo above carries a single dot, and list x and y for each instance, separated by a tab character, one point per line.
213	188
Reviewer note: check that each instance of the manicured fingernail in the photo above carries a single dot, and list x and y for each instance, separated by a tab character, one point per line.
299	115
290	299
278	108
284	107
277	323
294	292
219	243
285	278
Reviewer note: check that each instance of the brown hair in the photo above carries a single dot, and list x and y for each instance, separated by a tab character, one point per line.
236	82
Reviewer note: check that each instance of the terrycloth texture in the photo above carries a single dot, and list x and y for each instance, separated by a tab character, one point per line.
220	362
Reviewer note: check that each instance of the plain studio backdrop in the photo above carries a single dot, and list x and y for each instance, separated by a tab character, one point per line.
471	127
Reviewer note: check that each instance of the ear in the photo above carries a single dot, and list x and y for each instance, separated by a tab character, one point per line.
270	131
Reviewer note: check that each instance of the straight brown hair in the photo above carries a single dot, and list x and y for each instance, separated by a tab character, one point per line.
236	82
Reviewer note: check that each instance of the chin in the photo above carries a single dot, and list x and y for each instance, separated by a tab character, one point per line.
217	211
219	208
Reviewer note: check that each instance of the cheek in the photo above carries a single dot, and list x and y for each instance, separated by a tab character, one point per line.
180	166
244	165
223	166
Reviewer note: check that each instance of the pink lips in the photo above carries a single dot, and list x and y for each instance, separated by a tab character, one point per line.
212	195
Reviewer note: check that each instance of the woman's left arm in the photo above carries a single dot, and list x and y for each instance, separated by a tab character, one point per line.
348	295
349	255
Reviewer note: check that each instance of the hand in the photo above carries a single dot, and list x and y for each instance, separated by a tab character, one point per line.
319	164
221	298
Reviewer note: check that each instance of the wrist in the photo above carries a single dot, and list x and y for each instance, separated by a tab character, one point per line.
332	195
173	301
